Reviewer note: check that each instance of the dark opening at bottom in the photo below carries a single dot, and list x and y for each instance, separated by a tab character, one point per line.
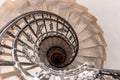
56	56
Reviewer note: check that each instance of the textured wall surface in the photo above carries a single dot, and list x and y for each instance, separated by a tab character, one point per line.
108	15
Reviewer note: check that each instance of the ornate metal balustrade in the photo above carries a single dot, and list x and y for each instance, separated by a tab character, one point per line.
28	31
31	39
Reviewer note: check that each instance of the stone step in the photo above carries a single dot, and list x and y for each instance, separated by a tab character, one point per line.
97	51
83	22
98	61
9	73
38	5
75	14
64	9
52	6
8	12
88	32
91	42
71	66
75	64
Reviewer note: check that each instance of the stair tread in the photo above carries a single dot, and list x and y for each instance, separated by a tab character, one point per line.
8	72
82	23
91	16
88	32
70	66
25	7
52	6
8	58
38	5
91	42
79	6
97	60
94	52
75	14
8	12
63	9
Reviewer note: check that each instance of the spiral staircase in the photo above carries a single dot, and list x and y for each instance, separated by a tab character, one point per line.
51	40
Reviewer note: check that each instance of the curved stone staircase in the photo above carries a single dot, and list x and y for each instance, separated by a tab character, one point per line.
49	40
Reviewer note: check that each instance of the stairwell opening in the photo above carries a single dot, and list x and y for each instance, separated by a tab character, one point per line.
56	56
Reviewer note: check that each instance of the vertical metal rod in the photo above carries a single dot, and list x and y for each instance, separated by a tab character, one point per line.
44	23
30	27
10	34
36	23
57	26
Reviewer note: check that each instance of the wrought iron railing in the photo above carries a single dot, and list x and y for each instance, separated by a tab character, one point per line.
28	31
25	35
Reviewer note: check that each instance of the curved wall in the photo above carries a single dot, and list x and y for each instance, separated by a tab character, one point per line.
108	15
